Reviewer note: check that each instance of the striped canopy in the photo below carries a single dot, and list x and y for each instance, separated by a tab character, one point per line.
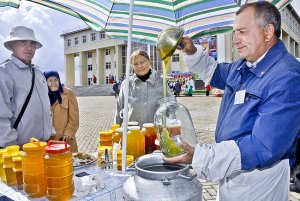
150	17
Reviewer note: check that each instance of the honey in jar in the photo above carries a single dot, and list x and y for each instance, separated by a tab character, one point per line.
59	171
150	137
8	164
18	171
106	137
34	176
2	173
129	160
135	142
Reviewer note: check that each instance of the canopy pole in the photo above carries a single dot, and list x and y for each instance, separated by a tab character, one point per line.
125	112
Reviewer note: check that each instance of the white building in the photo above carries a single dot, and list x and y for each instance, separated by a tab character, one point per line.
101	57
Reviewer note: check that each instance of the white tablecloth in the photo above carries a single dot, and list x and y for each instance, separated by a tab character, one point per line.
112	191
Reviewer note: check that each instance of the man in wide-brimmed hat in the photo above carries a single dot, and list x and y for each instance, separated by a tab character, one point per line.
24	102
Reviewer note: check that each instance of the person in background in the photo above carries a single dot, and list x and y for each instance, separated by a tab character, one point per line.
177	88
145	89
64	108
259	121
207	89
21	80
116	88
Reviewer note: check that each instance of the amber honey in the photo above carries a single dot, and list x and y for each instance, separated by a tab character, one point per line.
34	176
59	171
150	137
129	161
105	142
11	151
17	168
135	142
105	135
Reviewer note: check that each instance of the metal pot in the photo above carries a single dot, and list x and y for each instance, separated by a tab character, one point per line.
156	180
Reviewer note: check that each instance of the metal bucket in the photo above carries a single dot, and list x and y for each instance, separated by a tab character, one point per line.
156	180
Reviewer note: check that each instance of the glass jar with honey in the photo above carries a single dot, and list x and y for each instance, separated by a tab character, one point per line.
59	171
150	137
105	137
33	166
135	142
173	123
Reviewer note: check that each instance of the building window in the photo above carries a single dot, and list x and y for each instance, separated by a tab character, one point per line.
93	36
175	58
107	65
76	41
84	39
89	55
68	42
115	64
107	51
102	34
90	67
90	81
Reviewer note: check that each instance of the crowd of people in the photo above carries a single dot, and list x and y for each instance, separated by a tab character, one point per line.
258	126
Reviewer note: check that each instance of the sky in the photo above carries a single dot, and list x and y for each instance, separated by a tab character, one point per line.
48	25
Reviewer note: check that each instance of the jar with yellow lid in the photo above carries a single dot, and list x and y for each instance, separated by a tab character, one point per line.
8	164
59	171
105	137
150	137
2	172
18	170
135	142
33	166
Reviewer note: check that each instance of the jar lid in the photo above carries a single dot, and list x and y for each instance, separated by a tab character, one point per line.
34	145
120	130
134	128
105	132
102	148
133	123
114	126
11	151
57	147
147	125
17	158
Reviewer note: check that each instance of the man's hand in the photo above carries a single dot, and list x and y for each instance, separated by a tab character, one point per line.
188	46
186	158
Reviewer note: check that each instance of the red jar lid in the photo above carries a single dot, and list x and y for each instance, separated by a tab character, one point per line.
57	147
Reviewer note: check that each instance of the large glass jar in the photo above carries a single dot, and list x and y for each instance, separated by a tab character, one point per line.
173	123
150	137
135	142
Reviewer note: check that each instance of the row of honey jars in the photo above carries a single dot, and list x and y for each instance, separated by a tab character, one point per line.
59	171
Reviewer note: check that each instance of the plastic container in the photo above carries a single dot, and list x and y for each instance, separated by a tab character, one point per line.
173	123
2	172
129	160
105	137
8	164
17	168
135	142
33	166
150	137
59	171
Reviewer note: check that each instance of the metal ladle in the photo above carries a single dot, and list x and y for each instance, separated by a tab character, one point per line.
168	41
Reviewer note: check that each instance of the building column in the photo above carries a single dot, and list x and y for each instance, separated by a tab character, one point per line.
95	67
100	65
224	48
118	50
70	70
83	68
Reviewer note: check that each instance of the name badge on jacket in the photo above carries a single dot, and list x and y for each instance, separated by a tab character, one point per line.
239	97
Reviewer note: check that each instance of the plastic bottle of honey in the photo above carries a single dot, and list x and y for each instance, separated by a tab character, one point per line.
59	171
2	173
135	142
8	164
150	137
33	166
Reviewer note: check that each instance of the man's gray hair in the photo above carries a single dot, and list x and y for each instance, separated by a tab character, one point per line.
265	13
